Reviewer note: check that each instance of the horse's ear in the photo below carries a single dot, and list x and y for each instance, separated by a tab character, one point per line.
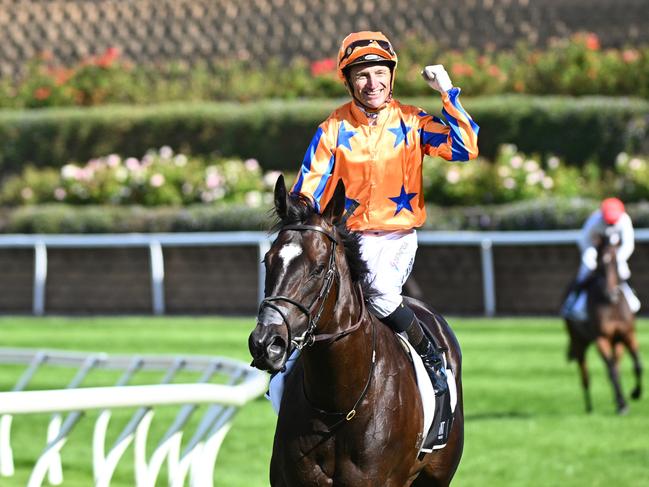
281	197
334	210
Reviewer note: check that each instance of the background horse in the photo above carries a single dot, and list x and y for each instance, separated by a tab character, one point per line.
611	325
351	414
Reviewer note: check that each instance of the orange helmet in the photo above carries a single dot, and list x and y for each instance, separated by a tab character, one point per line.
365	47
612	209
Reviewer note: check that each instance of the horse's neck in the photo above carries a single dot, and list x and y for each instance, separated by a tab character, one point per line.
335	371
611	275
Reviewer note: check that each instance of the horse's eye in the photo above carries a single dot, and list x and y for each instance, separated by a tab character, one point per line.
318	270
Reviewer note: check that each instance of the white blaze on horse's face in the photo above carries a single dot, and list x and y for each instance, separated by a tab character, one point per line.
288	253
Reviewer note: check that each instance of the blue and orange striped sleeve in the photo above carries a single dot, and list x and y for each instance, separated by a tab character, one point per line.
317	166
454	139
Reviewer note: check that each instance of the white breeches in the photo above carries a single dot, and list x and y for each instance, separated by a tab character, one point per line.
389	256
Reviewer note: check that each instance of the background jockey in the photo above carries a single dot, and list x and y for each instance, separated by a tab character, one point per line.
610	219
376	146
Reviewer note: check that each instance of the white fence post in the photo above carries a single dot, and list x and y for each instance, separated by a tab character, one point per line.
488	277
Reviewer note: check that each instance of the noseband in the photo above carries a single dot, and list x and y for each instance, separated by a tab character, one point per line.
309	336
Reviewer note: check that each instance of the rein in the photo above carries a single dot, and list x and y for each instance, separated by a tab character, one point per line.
348	416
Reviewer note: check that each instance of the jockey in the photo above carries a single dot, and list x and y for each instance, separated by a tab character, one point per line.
609	220
376	146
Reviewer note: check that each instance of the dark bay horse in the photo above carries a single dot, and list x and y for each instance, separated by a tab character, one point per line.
350	413
610	325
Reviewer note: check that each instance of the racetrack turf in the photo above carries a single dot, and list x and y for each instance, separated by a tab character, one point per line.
525	421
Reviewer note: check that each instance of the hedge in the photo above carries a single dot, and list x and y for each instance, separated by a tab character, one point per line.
278	132
542	214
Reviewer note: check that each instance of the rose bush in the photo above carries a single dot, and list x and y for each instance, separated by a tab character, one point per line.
572	66
159	178
164	178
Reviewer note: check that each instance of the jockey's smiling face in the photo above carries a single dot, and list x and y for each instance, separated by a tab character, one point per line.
371	83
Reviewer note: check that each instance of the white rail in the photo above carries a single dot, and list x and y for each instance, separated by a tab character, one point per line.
196	462
156	241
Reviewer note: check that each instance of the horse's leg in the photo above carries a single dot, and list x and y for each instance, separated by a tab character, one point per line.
608	355
631	342
580	356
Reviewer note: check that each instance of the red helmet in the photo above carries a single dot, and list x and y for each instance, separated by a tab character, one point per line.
365	47
612	210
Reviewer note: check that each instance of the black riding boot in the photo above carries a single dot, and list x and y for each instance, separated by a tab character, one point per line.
434	363
404	319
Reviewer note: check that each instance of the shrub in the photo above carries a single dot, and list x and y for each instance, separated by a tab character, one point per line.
277	133
514	176
164	178
545	214
571	66
64	218
160	178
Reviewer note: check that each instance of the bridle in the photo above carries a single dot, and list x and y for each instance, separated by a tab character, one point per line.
309	336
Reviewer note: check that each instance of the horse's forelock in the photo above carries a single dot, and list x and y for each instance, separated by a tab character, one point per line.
300	209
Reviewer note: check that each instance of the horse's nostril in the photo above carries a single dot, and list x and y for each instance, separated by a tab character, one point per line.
276	347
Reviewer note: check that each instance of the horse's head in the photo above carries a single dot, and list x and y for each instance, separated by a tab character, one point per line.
607	269
301	268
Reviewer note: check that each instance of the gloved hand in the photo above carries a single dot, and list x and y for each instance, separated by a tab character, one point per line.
437	78
589	258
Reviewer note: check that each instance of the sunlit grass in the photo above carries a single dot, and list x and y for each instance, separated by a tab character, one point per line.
525	424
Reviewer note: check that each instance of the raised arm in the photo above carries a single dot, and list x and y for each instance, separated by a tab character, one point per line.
456	138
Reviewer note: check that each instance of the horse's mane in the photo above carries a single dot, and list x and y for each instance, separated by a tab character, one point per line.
300	209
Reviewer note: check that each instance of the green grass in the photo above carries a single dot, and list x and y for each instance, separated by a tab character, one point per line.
525	424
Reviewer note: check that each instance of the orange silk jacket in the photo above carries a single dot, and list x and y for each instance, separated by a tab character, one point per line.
381	164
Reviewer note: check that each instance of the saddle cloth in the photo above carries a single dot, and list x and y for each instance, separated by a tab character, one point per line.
428	400
276	390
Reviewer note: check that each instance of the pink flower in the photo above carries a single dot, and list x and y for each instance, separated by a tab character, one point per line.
157	180
113	160
85	174
251	164
60	194
132	164
213	180
630	56
166	152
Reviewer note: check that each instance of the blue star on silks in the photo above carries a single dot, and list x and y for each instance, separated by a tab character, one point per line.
401	133
403	200
351	204
344	136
